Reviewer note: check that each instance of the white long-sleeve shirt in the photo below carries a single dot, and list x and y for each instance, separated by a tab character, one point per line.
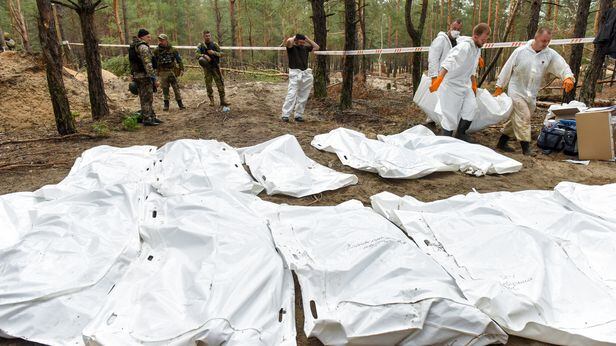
461	63
525	71
439	48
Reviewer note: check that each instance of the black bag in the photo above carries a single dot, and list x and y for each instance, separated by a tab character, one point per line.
551	139
570	140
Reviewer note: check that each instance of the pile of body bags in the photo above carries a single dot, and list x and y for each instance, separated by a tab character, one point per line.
171	246
490	110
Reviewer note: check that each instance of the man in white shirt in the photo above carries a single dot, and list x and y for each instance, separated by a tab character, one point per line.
524	71
456	98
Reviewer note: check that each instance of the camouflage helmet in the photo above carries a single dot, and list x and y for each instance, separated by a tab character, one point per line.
7	36
163	37
133	88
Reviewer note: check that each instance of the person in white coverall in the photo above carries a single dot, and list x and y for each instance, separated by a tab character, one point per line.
524	71
439	48
300	76
456	98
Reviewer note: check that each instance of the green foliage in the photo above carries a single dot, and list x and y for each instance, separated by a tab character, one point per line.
129	123
118	65
100	129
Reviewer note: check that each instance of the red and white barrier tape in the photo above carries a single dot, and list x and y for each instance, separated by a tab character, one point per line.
558	42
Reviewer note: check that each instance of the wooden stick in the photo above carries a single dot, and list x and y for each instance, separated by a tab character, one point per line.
18	141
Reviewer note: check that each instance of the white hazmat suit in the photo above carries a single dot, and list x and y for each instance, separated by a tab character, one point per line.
525	72
300	84
439	48
456	99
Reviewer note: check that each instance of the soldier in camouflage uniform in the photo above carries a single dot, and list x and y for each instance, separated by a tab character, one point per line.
208	54
140	58
168	64
10	43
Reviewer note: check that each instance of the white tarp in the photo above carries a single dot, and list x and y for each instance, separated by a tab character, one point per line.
208	271
469	158
599	201
56	276
191	165
364	282
538	268
281	166
354	149
490	110
15	218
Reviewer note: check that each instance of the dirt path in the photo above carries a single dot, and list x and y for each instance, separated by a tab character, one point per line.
255	118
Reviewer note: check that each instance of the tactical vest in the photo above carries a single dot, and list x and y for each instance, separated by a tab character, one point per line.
203	48
136	64
165	59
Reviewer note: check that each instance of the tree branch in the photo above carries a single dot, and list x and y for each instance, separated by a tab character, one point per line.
73	6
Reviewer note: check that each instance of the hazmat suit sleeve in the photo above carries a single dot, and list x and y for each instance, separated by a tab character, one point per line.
434	56
559	67
456	57
505	75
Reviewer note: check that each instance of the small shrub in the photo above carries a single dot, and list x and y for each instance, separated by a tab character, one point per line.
129	123
118	65
100	129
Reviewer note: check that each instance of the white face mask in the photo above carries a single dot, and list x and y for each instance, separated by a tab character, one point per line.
454	33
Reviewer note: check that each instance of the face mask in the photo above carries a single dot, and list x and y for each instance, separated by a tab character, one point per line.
454	33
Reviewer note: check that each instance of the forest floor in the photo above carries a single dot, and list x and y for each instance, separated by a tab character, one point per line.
254	118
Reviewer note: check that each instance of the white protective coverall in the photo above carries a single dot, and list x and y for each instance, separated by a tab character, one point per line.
456	99
439	48
300	84
524	72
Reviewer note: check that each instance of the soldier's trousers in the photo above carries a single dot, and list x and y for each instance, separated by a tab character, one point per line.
213	74
167	78
146	96
518	124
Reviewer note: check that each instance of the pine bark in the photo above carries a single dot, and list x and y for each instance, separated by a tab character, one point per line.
593	72
346	95
575	60
319	21
52	55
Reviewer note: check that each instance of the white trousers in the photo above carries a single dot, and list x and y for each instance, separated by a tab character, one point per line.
455	103
300	84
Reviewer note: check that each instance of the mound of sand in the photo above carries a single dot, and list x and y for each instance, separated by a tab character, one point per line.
25	97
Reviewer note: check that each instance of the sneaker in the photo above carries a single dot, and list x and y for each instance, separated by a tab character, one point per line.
285	119
299	119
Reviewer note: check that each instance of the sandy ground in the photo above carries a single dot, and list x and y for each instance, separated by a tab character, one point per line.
254	118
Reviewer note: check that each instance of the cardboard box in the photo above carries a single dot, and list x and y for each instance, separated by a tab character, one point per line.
596	133
565	113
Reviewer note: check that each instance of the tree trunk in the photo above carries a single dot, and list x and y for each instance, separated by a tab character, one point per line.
346	95
116	18
233	26
587	92
2	44
556	5
362	29
479	12
415	35
474	12
448	12
96	87
53	65
515	6
218	23
575	60
533	23
125	22
319	21
490	13
19	23
240	40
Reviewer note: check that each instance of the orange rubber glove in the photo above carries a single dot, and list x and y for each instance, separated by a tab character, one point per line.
482	63
568	84
436	82
474	86
498	91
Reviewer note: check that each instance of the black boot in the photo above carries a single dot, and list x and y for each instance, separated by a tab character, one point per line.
181	105
526	149
166	105
502	144
461	132
446	133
